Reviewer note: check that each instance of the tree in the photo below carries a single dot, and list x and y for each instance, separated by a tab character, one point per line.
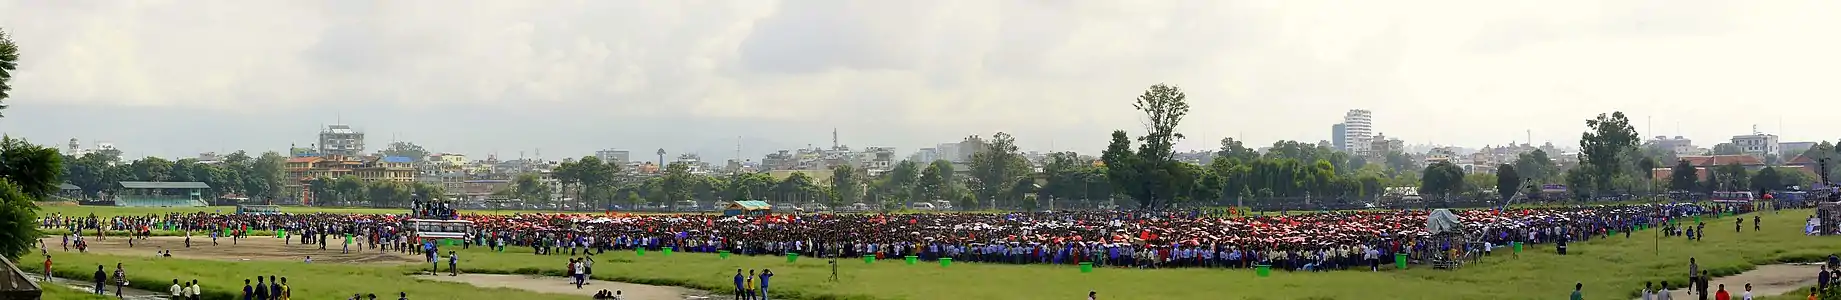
263	176
1683	177
1151	175
996	168
1507	181
846	181
35	170
1766	180
1602	147
406	149
1579	182
1731	176
151	169
1726	149
530	188
18	217
1122	167
1232	149
678	183
9	61
1441	179
936	182
1536	165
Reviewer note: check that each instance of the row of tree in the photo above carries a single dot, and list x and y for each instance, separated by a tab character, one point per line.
259	178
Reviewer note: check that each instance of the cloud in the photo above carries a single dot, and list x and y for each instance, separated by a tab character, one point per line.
576	76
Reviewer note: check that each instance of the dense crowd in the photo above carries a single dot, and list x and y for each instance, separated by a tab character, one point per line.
1313	241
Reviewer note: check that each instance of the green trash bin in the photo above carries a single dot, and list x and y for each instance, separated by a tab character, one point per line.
668	251
945	262
1517	246
792	257
912	259
1086	267
724	254
869	259
1400	260
641	251
1262	270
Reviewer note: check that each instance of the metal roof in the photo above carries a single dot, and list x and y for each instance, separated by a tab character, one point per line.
163	185
750	205
68	186
398	159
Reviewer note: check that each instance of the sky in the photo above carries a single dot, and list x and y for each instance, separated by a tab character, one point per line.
566	78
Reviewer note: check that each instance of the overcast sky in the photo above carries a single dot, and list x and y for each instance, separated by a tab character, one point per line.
174	78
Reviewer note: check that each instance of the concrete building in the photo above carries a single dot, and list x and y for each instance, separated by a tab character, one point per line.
1381	145
1358	131
1339	137
1757	144
613	155
1681	146
341	140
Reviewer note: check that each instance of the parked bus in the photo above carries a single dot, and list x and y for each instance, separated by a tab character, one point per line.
1732	197
446	232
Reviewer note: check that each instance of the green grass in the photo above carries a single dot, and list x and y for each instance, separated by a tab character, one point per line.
224	280
1610	268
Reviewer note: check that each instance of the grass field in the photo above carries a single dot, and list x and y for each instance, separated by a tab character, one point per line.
1610	268
111	211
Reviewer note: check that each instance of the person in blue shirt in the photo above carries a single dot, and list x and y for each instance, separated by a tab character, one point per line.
765	274
248	293
738	284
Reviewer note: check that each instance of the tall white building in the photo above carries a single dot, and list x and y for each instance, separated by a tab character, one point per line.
1757	144
1358	130
341	139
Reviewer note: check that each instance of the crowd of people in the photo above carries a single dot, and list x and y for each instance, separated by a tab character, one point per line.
1142	239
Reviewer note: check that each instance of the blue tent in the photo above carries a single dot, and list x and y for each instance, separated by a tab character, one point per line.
749	207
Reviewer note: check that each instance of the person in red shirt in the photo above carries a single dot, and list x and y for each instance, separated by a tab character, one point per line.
1722	295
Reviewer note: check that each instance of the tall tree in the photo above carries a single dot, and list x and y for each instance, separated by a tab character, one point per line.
1122	167
1683	177
847	182
151	169
1766	180
1726	149
264	178
1153	177
530	188
1603	147
1535	164
406	149
678	184
18	219
35	170
1233	149
996	168
936	182
1507	182
903	181
9	61
1441	179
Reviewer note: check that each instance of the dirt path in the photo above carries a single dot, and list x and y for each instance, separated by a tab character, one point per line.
1766	280
126	293
560	285
252	248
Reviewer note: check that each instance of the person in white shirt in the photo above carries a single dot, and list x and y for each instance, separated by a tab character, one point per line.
175	290
1663	294
197	290
1647	294
1748	292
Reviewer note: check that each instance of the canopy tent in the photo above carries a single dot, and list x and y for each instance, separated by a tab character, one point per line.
1442	221
747	207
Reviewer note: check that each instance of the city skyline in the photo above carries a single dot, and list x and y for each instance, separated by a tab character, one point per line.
159	79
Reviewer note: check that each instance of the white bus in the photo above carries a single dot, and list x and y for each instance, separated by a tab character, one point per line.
449	232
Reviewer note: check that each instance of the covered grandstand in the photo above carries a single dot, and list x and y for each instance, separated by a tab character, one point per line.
161	194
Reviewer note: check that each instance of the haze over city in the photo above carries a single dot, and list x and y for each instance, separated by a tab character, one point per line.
174	79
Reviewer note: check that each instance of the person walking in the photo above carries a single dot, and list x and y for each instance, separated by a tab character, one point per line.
197	290
1693	274
749	284
1748	292
1721	294
738	284
176	290
121	279
1578	291
47	268
765	275
261	289
1701	287
248	293
274	288
287	293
